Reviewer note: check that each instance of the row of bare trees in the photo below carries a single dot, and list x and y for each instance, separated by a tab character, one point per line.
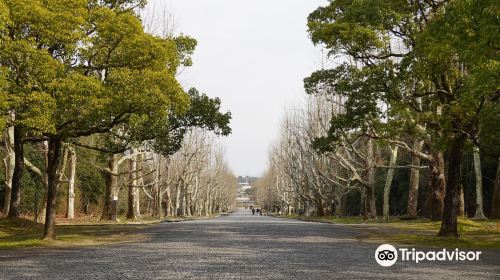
194	181
302	179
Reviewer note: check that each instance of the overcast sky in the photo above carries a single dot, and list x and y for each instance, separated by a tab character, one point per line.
254	55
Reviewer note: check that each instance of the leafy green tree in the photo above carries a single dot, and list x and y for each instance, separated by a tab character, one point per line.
37	38
459	50
164	136
88	66
414	57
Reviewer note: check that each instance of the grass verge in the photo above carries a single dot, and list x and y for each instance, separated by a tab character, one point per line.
21	233
474	234
84	231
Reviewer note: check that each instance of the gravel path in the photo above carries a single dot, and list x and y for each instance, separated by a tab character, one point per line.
238	246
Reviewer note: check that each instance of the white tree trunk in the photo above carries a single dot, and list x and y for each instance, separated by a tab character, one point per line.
9	163
140	181
388	181
70	213
479	185
132	183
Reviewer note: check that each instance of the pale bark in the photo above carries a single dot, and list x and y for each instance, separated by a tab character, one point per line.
132	184
479	185
388	181
140	181
370	209
9	164
70	213
461	202
40	216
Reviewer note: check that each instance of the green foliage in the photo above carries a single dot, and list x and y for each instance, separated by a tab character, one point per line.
90	182
185	48
41	36
84	67
413	58
204	112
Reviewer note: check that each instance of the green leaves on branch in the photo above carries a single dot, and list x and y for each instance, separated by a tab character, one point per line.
417	69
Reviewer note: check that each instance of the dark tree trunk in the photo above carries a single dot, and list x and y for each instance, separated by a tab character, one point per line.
452	197
54	159
437	185
86	207
320	211
495	206
110	181
344	205
370	209
15	198
166	205
411	210
131	189
362	208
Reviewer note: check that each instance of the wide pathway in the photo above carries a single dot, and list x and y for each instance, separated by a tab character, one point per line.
237	246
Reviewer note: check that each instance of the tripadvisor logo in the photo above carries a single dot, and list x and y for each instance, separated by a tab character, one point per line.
387	255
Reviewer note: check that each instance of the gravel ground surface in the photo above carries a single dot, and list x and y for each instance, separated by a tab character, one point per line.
237	246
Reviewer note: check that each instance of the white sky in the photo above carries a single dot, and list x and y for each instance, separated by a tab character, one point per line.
254	55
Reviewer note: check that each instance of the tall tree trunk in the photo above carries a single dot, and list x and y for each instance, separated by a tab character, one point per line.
388	181
461	202
495	205
206	203
168	203
9	164
338	206
110	180
183	199
187	201
370	209
411	210
479	185
15	199
177	201
362	208
140	181
437	186
40	218
320	211
344	206
132	181
54	156
157	202
70	213
452	197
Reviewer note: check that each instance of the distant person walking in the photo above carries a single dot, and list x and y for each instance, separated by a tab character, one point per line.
253	211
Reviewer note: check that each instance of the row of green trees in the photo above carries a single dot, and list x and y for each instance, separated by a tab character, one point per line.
85	73
418	72
418	76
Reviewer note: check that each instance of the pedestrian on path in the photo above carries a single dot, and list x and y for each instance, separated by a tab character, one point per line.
253	211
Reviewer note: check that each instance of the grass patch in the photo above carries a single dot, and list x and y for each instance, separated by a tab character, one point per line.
182	219
483	234
20	233
83	231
